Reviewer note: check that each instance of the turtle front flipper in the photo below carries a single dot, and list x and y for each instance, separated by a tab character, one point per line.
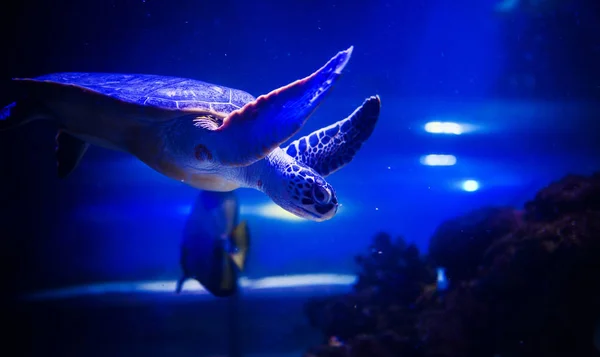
331	148
252	132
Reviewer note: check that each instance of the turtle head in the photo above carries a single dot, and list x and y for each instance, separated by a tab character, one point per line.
300	190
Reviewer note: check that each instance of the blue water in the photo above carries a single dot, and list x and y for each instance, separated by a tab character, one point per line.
484	103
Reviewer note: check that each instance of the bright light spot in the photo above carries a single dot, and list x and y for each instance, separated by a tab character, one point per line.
442	281
192	286
265	210
470	185
438	160
438	127
184	210
506	5
270	210
301	280
441	275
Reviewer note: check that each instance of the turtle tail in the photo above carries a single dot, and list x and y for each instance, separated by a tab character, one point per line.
17	114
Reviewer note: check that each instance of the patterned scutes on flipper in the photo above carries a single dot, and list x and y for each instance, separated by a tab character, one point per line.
157	91
329	149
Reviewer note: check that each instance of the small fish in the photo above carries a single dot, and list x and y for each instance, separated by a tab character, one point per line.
214	246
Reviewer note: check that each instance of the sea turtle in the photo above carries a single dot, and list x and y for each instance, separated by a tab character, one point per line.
208	136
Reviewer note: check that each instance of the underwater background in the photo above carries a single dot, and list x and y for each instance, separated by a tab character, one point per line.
484	160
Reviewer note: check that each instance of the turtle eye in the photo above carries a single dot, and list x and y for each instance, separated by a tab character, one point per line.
321	194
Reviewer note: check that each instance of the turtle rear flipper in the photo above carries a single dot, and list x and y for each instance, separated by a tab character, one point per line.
20	113
69	151
252	132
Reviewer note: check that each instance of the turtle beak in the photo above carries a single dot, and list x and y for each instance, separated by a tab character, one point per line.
311	214
326	212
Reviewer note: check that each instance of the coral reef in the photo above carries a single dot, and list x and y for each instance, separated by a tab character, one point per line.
458	244
522	283
381	311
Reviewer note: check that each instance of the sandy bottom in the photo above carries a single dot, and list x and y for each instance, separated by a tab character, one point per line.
149	319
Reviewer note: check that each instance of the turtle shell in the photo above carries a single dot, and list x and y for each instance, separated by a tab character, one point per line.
163	92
